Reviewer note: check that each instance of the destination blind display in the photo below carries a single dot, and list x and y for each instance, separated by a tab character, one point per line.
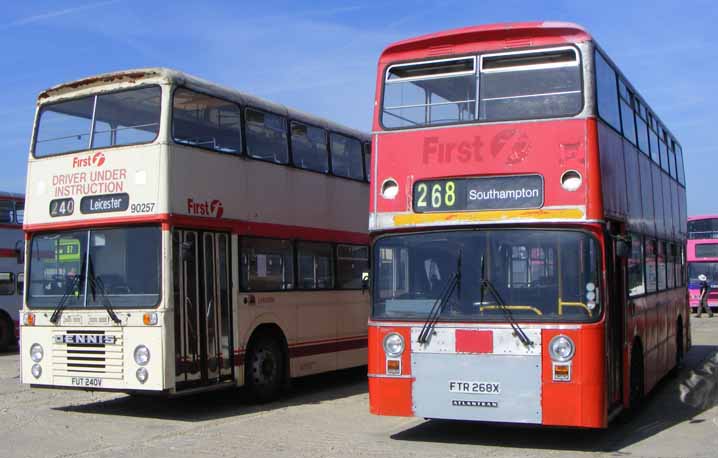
473	194
105	204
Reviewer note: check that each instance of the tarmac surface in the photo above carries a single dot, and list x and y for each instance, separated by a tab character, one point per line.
327	416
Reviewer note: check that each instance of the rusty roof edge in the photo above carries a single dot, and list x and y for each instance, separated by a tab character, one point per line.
200	84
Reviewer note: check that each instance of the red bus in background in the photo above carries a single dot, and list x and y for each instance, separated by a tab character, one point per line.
527	216
702	247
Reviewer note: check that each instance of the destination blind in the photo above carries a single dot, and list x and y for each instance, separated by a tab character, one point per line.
476	194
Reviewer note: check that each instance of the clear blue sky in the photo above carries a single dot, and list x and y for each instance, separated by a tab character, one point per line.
320	56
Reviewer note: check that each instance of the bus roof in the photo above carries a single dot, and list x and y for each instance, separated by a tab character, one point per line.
700	217
158	75
505	35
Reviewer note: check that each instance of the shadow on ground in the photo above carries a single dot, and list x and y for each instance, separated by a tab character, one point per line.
9	351
679	398
230	402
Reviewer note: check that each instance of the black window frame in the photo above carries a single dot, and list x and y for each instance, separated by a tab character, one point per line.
331	152
242	143
291	146
290	163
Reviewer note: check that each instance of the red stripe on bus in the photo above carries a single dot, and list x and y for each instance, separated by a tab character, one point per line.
236	226
10	226
7	253
468	341
301	350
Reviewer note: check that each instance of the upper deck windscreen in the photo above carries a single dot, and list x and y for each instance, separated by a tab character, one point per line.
534	84
703	228
99	121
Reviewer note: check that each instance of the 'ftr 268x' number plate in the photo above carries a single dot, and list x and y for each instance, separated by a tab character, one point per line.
456	386
90	382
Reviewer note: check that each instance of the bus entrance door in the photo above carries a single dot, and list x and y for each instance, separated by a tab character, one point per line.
202	317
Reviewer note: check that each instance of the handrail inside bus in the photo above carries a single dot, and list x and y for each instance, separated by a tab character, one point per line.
562	304
511	307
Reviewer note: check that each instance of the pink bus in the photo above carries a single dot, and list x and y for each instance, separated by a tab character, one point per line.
702	251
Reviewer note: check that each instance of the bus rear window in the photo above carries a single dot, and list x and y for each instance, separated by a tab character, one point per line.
528	85
99	121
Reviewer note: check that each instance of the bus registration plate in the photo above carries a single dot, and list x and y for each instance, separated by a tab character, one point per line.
464	387
90	382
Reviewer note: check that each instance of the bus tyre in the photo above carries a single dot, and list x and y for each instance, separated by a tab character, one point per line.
636	394
679	347
265	368
7	332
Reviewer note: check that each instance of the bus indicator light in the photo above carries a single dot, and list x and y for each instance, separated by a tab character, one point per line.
149	319
29	319
561	372
393	367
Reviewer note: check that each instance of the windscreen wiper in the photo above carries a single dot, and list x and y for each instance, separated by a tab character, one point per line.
57	313
454	283
97	284
486	284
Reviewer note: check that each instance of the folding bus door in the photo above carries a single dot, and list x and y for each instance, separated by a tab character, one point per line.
203	347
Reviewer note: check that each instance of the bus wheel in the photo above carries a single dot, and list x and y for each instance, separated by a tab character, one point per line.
679	346
636	377
7	332
265	368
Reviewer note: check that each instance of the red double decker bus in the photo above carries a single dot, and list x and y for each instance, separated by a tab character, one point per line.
528	218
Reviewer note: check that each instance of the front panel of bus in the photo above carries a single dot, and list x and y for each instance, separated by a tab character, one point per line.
97	255
487	277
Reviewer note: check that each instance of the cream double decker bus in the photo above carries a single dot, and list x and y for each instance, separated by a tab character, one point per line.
182	236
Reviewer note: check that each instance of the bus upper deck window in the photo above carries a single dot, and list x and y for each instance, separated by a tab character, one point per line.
530	84
430	93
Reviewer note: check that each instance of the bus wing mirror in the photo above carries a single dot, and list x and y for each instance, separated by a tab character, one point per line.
20	252
623	248
364	281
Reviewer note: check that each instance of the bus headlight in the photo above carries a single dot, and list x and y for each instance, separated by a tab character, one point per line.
561	349
142	355
36	352
393	345
36	370
142	374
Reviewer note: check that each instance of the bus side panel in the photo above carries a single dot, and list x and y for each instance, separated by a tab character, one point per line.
389	396
582	400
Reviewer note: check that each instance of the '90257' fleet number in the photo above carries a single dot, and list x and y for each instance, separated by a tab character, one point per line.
145	207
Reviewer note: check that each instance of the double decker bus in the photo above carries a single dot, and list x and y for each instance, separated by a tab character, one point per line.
183	236
527	217
12	209
702	247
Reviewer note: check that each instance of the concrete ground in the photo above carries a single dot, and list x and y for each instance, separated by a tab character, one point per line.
328	416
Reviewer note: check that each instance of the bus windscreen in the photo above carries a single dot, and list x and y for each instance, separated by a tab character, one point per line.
126	117
539	275
510	86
